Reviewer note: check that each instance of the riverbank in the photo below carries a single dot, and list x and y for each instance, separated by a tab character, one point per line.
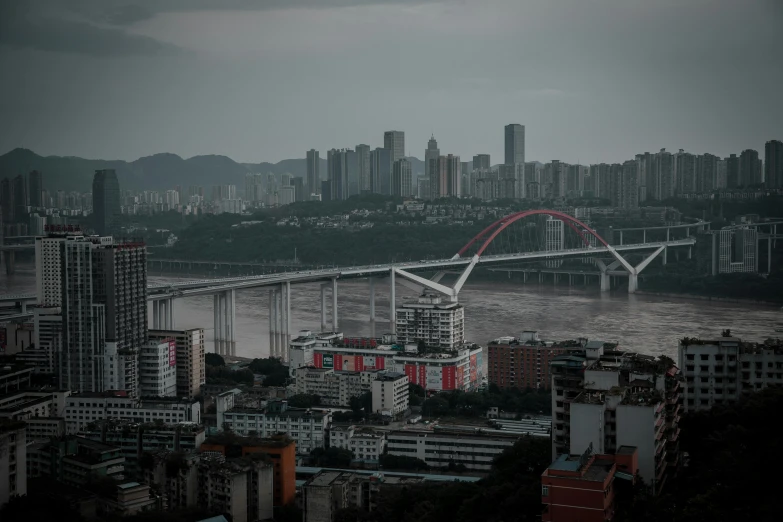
709	298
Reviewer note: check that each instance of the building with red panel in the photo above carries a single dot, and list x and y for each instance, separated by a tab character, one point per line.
581	488
524	362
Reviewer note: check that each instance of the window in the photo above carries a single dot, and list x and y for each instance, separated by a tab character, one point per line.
544	491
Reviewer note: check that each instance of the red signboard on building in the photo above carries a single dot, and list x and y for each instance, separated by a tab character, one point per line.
172	352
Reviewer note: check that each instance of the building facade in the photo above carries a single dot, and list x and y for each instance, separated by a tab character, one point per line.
190	353
394	142
429	319
522	364
158	368
84	408
105	201
735	249
390	393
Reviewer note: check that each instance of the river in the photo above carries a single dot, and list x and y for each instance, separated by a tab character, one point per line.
647	324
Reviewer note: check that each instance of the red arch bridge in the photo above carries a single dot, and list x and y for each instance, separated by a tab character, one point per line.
544	236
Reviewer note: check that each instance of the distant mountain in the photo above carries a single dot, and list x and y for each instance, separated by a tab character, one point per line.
156	172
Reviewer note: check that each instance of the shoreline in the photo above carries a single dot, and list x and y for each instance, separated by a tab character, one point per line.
709	298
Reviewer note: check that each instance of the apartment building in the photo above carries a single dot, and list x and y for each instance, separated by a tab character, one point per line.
438	324
75	460
335	388
158	368
280	449
240	487
390	393
616	398
190	352
307	428
719	370
83	408
523	363
366	444
441	447
580	488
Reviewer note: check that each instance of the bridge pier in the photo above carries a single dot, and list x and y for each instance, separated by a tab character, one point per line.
633	283
323	306
287	333
10	262
372	307
392	303
218	323
334	304
273	323
229	342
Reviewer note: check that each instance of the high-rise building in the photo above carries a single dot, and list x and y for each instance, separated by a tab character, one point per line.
437	324
380	171
662	184
190	367
431	152
515	155
299	189
773	164
254	187
605	398
337	161
554	179
362	170
750	168
21	196
706	173
7	201
35	185
722	173
105	201
402	178
13	460
313	172
158	368
481	161
104	307
625	185
733	179
454	169
438	178
394	141
685	172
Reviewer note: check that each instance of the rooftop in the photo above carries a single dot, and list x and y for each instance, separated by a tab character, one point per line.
596	469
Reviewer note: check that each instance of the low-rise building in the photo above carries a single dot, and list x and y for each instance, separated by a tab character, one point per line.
366	444
280	449
134	439
580	488
83	408
28	404
333	388
75	460
307	428
514	362
240	487
443	447
390	393
720	370
329	491
130	498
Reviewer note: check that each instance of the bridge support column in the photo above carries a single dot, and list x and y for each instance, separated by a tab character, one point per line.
665	255
323	306
689	252
229	341
155	318
633	283
621	237
644	236
392	303
279	319
10	262
216	304
372	307
334	304
287	325
606	282
769	254
272	301
169	314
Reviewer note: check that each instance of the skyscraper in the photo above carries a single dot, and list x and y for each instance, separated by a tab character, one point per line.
7	201
402	178
481	161
21	196
380	171
363	169
685	172
105	201
431	152
733	172
454	172
339	171
313	172
104	307
515	155
750	168
773	164
662	182
394	141
35	186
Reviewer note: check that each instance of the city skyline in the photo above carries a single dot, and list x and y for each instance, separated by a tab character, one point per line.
266	97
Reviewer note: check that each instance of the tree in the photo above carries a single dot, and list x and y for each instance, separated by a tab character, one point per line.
304	400
332	457
214	359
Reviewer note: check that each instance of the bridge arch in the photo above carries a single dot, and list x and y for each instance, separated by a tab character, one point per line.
493	230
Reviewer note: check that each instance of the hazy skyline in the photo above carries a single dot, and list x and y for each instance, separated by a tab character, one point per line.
592	82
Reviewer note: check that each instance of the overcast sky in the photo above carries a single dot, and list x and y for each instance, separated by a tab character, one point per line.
264	80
